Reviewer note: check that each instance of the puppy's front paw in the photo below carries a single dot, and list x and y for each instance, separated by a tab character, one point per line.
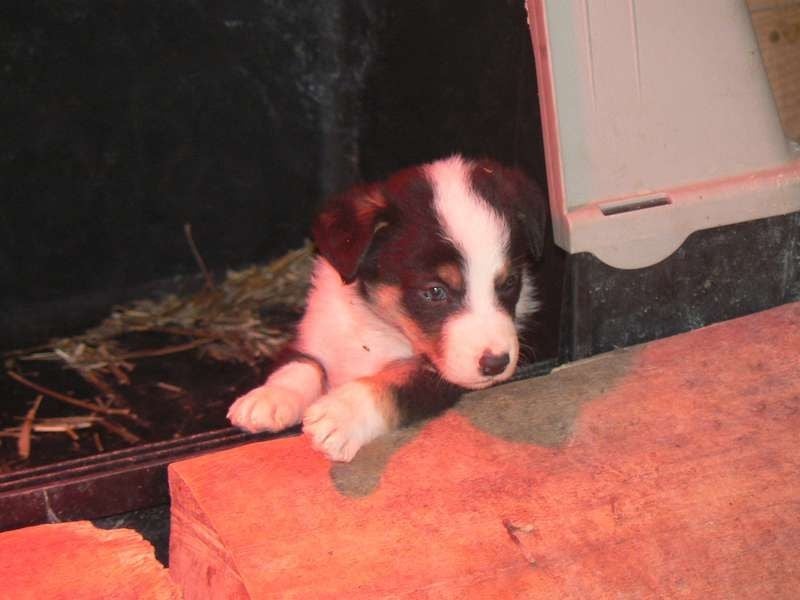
267	408
344	420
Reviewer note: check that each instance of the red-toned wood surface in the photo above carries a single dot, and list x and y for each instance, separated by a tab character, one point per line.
78	561
669	470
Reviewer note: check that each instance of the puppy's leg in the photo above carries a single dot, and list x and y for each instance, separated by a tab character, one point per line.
282	400
356	413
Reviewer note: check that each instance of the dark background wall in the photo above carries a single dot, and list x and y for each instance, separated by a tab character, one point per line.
124	120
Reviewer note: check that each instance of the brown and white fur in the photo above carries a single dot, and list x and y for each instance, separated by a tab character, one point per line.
420	290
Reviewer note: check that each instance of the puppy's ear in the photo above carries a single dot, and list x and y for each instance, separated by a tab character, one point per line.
344	230
533	209
517	193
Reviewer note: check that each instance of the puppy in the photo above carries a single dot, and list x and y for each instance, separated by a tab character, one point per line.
420	291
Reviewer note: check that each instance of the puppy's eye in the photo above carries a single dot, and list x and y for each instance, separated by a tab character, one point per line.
511	282
435	293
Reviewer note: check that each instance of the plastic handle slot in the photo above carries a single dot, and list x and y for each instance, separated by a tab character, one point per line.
624	206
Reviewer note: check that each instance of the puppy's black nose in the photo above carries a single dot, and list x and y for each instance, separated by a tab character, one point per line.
493	364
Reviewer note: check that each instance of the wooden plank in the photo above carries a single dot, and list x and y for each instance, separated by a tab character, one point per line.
665	470
777	25
78	561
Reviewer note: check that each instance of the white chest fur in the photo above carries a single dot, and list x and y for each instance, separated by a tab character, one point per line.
342	332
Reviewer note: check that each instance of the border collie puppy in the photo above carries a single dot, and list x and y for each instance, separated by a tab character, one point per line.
420	290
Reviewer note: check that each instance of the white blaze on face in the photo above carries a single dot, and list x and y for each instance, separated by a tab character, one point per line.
482	237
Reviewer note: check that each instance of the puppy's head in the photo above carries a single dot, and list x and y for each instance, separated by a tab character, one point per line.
442	252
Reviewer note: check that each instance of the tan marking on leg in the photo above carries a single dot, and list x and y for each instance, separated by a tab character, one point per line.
384	384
